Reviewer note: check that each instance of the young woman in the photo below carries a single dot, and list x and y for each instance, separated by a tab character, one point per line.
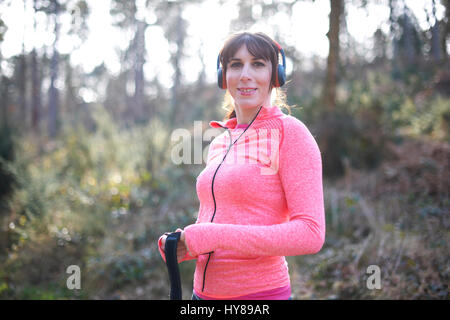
261	195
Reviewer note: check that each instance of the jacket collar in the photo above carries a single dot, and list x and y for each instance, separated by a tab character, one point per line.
265	114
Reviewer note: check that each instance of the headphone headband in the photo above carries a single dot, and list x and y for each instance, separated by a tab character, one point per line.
278	45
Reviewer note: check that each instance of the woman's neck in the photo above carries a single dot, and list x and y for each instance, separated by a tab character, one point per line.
246	115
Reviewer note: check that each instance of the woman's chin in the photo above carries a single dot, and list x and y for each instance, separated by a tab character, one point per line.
249	104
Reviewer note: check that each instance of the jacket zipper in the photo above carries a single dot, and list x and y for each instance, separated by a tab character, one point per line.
212	187
214	199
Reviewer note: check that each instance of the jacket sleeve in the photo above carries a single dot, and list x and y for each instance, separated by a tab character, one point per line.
300	171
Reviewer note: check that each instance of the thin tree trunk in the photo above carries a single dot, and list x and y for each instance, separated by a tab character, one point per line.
22	77
4	99
337	7
409	38
139	70
175	90
35	93
329	126
35	85
176	64
435	39
23	81
53	91
446	28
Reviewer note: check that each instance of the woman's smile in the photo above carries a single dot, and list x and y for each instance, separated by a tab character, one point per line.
247	91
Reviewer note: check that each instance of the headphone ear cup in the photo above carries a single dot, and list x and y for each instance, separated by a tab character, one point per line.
220	79
281	75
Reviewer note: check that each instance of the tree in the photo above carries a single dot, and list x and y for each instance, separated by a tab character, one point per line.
169	16
53	100
380	45
131	16
35	82
23	67
79	11
337	8
436	51
176	33
446	27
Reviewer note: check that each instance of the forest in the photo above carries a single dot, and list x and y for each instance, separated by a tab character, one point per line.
87	176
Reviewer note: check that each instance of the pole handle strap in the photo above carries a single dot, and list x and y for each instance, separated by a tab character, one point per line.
172	265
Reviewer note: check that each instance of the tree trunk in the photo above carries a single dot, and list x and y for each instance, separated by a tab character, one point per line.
70	100
23	90
23	80
435	37
409	51
176	65
53	91
446	28
4	99
139	69
328	130
35	84
337	7
35	93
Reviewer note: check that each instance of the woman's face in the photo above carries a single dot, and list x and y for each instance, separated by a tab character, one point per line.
248	79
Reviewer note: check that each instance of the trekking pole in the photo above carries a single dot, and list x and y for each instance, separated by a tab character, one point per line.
172	265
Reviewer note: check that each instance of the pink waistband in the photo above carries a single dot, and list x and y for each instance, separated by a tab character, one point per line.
282	293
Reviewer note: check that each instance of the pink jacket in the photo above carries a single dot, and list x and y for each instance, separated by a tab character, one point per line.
260	202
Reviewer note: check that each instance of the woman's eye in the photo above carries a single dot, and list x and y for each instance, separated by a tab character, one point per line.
239	64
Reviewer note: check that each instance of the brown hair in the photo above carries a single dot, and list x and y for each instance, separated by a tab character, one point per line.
260	46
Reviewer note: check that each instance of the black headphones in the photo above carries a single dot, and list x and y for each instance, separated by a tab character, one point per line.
280	77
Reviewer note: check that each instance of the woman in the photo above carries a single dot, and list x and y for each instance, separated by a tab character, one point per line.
261	195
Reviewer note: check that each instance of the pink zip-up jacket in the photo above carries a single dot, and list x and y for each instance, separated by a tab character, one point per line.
261	199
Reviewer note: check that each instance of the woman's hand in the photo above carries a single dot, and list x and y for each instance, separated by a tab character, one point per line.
181	248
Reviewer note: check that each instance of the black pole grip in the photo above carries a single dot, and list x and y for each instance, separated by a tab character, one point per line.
172	265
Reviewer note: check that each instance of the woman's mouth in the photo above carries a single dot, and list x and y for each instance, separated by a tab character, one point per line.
247	91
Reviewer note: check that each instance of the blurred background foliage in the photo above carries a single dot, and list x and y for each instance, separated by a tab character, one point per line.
91	182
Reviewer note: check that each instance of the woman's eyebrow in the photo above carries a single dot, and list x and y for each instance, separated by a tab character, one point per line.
237	59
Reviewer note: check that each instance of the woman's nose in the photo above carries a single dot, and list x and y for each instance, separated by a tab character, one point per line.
245	74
